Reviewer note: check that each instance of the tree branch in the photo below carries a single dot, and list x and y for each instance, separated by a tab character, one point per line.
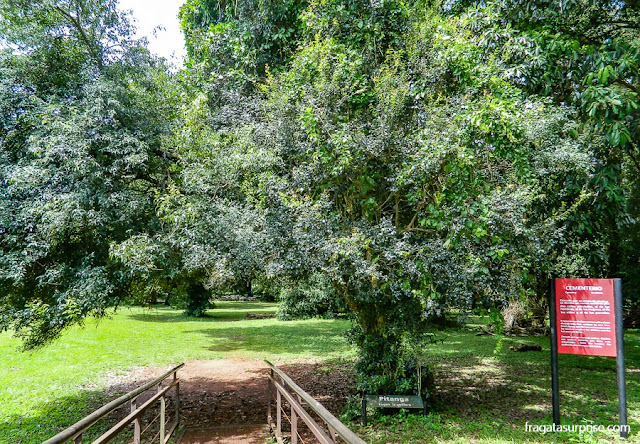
410	226
633	156
631	86
75	22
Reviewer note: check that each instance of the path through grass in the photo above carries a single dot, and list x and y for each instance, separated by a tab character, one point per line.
44	391
484	397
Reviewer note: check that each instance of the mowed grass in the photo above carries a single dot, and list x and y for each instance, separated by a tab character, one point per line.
485	395
488	396
45	391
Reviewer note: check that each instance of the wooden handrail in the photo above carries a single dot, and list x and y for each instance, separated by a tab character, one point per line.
311	423
333	423
79	427
113	431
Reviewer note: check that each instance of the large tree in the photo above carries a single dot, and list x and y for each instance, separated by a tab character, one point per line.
411	155
584	54
396	155
83	111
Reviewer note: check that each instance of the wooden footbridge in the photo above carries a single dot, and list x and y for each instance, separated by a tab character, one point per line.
153	415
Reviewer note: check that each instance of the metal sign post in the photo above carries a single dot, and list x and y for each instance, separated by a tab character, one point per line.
555	390
622	384
586	319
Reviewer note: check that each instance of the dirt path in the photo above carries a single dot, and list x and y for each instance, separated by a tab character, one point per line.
228	391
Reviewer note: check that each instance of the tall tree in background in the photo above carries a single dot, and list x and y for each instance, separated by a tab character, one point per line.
93	32
83	111
585	54
219	229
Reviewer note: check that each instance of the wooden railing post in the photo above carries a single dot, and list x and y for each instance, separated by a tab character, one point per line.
270	397
332	433
294	424
175	377
163	405
278	413
136	422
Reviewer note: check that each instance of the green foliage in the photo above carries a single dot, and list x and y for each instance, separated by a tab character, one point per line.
406	158
393	364
240	39
584	54
90	32
80	155
308	299
405	163
372	26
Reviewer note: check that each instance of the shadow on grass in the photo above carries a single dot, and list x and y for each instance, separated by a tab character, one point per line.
311	337
482	395
490	397
223	311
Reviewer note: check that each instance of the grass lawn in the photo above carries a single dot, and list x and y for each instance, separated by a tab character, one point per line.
488	397
45	391
483	397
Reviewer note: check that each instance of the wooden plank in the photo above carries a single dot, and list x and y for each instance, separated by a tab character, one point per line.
269	399
308	420
177	400
231	434
172	429
137	425
163	407
332	434
279	414
294	426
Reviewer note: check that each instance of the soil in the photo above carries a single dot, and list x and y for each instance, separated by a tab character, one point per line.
229	391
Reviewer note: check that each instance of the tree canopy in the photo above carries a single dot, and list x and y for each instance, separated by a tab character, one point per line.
81	140
405	160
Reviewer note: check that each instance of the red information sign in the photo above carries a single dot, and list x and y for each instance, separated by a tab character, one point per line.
586	317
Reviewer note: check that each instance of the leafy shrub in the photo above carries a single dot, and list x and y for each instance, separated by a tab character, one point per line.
393	365
197	301
312	298
191	297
